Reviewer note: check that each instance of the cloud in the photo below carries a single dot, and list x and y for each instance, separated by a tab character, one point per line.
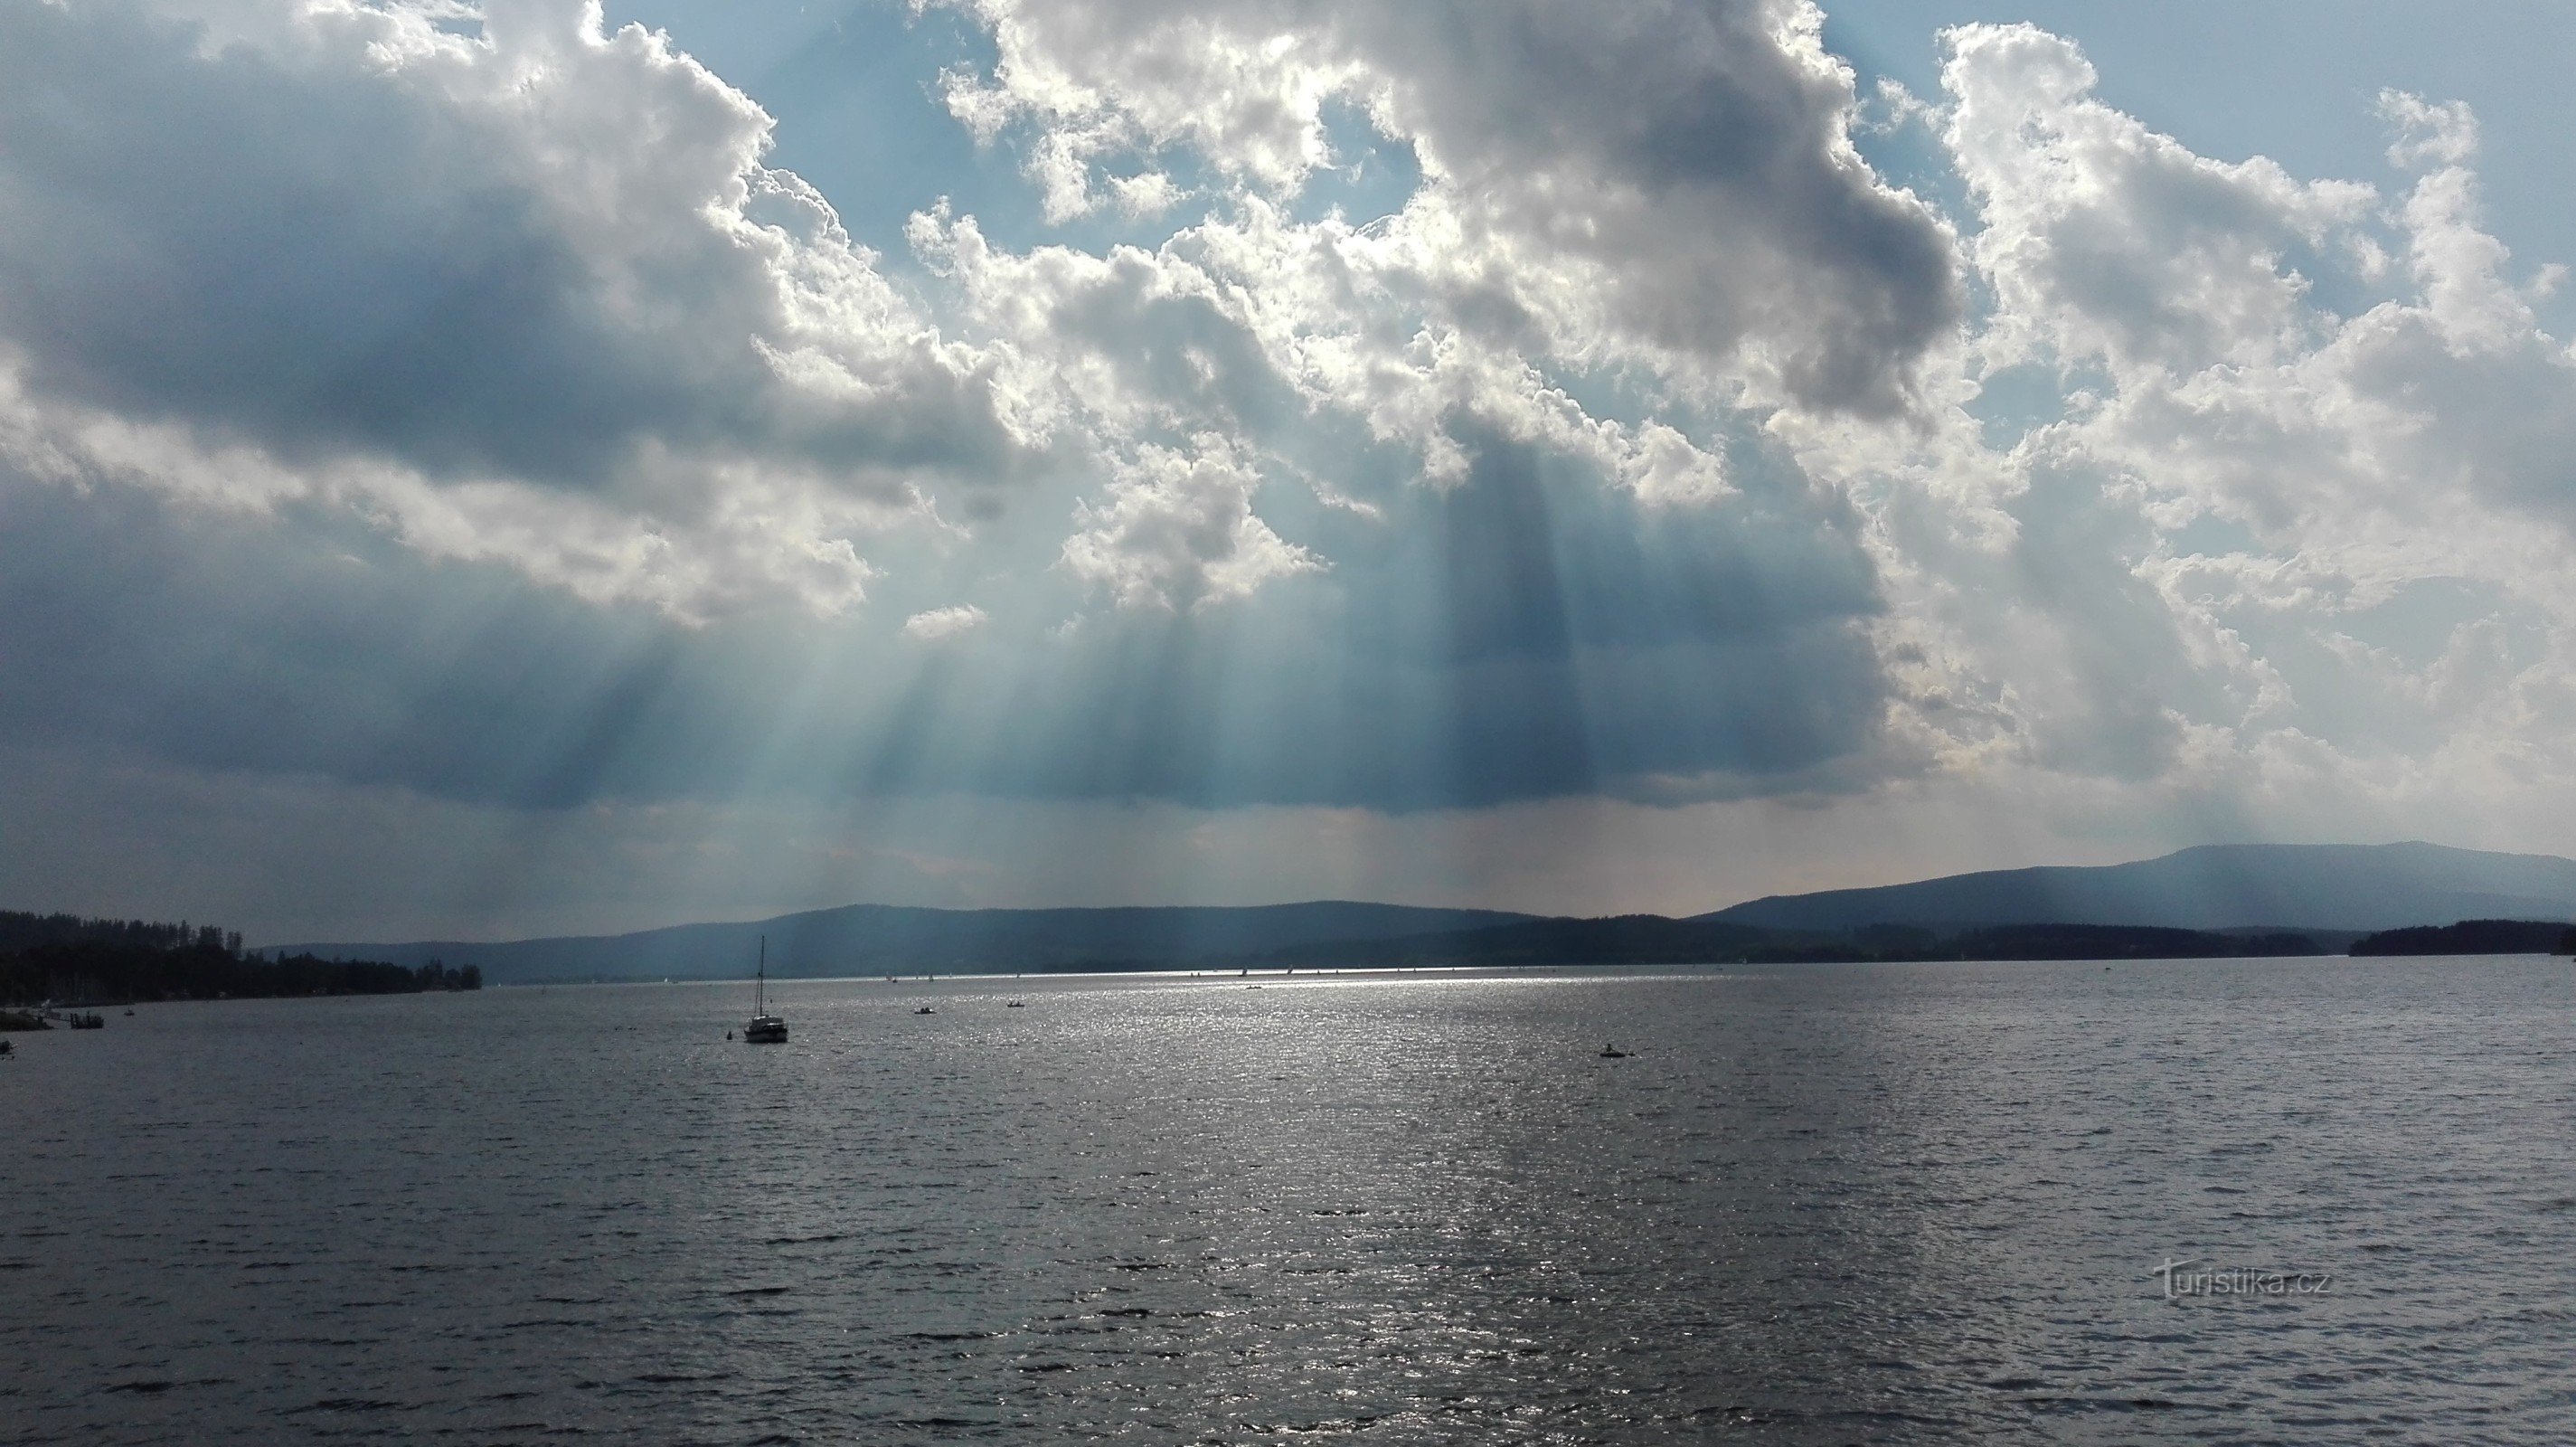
2108	238
2261	444
1673	184
939	623
460	403
559	314
2444	134
1178	531
499	283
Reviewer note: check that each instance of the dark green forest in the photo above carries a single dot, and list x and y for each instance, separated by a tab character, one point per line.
68	959
2473	937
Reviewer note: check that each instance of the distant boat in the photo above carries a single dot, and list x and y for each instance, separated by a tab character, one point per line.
765	1028
1016	1005
925	1010
1613	1052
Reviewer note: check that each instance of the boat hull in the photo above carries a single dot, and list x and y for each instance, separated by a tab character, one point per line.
766	1030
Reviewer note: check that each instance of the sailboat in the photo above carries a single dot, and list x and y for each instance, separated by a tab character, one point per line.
765	1028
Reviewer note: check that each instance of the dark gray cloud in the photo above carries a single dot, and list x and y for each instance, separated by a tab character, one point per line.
229	643
1698	163
1527	635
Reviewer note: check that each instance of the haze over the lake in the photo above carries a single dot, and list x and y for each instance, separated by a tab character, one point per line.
538	469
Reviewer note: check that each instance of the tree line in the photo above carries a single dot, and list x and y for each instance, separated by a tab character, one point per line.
2473	937
68	958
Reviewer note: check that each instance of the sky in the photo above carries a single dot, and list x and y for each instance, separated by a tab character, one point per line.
478	472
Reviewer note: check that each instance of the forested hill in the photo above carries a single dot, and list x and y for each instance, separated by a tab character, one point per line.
68	959
863	939
2353	888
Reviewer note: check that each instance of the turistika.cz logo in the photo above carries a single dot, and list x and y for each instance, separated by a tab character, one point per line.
2181	1280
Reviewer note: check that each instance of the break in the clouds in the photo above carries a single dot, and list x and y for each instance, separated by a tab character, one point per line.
1421	411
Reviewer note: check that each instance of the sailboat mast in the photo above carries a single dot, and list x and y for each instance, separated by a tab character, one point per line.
760	981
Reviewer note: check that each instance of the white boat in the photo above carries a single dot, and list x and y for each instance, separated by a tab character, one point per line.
764	1028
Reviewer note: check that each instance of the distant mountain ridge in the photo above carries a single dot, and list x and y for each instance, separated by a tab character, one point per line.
867	939
2331	892
2340	887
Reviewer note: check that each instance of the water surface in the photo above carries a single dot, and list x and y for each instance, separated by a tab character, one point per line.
1829	1204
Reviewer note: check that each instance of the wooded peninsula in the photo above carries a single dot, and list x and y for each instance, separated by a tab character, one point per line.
70	960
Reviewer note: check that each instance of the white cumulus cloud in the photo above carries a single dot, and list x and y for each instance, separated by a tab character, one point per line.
937	623
2253	548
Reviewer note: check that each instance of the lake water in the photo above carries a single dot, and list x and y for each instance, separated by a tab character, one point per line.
1875	1203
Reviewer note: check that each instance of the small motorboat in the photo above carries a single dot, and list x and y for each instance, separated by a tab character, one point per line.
1613	1052
1015	1005
925	1010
